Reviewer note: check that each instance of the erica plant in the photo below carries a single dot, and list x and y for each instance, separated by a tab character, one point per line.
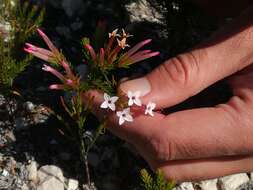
102	65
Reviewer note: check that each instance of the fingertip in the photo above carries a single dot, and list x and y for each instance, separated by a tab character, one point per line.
141	84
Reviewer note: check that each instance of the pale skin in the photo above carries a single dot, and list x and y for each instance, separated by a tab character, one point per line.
200	143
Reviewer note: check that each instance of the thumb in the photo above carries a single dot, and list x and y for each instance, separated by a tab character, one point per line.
171	82
181	77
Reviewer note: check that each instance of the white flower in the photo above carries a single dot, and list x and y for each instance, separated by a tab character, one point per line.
149	108
109	102
134	98
124	115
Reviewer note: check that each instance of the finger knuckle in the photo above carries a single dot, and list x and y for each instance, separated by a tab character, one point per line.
183	69
162	147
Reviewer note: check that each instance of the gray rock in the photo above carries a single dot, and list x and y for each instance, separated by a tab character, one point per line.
251	176
72	184
142	11
29	106
246	186
86	187
64	31
208	184
32	172
184	186
77	25
2	99
10	136
73	7
232	182
5	173
20	124
25	187
50	177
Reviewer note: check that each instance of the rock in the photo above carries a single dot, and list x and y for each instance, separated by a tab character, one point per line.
251	176
232	182
72	184
29	106
246	186
77	25
64	31
32	172
24	187
86	187
5	173
2	99
20	124
142	11
10	136
208	184
50	177
184	186
72	7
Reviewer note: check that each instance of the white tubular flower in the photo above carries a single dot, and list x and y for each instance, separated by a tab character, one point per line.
134	98
109	102
124	115
149	109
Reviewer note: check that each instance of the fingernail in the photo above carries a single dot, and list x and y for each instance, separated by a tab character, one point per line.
140	84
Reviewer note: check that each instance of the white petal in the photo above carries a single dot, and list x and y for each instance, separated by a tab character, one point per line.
129	94
114	99
130	102
119	113
152	105
112	106
129	118
106	96
137	94
121	120
137	101
126	111
146	111
151	113
104	105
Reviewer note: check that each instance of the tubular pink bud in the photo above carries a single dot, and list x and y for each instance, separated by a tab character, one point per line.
138	58
56	87
54	72
102	56
66	66
91	51
136	48
37	54
48	42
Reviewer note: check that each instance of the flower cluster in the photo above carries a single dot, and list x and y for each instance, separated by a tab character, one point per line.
53	55
101	64
110	54
125	114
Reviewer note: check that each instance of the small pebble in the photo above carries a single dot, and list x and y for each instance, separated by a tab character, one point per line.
5	173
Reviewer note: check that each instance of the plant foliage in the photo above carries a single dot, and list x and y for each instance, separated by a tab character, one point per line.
18	21
156	182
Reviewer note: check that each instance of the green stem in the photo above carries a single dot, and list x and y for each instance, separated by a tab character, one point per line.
84	157
101	127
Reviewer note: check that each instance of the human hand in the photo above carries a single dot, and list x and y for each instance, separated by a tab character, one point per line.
199	143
